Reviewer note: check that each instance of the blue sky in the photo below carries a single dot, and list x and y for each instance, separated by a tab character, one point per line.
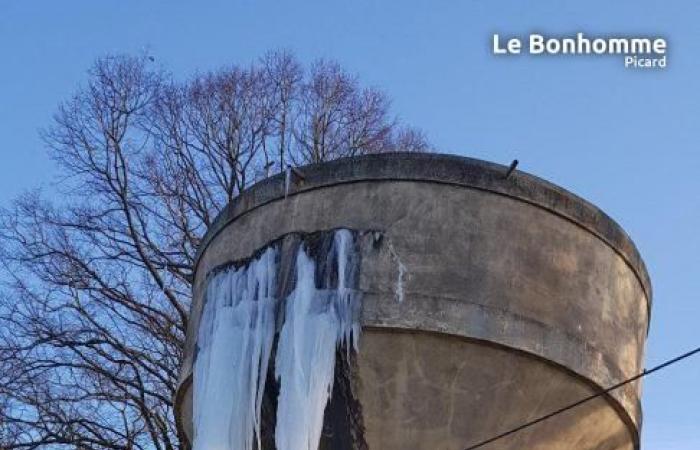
625	140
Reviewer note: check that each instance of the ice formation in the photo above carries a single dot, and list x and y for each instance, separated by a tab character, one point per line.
234	344
236	336
287	180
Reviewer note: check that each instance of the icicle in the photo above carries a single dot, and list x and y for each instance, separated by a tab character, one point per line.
235	339
317	321
304	364
287	180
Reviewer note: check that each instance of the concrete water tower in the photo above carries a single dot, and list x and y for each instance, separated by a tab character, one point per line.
487	301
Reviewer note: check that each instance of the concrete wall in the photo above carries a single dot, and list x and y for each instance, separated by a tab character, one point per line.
519	298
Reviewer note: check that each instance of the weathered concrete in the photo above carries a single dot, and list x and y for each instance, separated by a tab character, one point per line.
519	297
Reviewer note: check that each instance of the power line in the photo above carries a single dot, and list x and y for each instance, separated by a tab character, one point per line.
586	399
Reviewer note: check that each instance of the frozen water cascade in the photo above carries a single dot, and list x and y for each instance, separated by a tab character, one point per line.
317	320
235	341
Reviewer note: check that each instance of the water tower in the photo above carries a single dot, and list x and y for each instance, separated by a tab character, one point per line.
485	299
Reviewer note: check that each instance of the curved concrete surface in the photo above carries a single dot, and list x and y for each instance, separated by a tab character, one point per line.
519	298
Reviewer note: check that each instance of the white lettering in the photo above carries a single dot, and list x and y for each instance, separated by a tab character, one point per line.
599	46
660	47
513	46
638	52
497	50
640	45
536	44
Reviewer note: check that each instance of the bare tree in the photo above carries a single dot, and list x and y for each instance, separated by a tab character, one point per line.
283	76
337	118
97	282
